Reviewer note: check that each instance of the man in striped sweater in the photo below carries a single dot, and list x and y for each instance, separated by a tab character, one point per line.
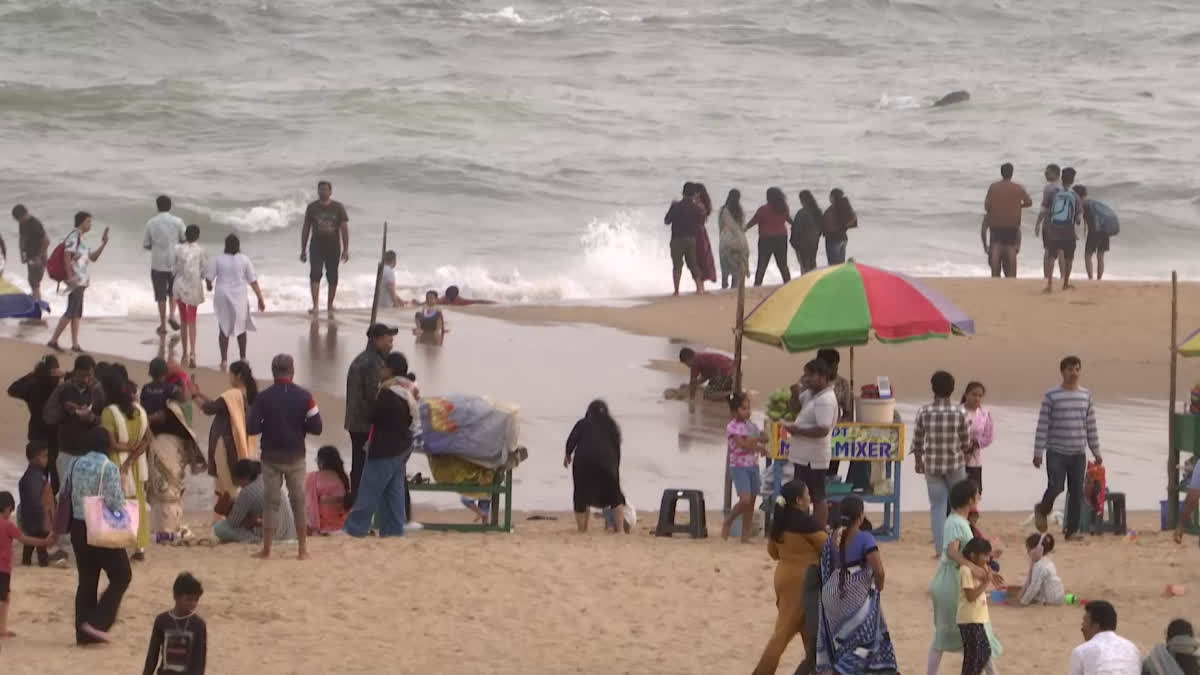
1066	430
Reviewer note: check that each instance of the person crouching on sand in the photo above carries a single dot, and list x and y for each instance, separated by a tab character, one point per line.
594	446
745	444
796	541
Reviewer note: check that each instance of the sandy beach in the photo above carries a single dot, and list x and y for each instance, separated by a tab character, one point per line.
545	599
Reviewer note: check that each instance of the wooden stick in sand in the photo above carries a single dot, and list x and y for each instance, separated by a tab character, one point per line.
739	323
1172	446
379	276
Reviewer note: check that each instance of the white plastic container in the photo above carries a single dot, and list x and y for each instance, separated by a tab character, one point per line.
876	410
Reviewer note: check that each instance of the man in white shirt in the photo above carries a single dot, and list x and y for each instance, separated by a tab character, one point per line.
812	433
1103	652
163	233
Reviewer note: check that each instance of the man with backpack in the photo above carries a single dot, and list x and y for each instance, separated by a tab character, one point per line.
69	263
1102	224
1064	211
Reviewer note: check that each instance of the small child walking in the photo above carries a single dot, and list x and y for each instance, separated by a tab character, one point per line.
9	533
745	444
973	609
1042	586
179	640
37	505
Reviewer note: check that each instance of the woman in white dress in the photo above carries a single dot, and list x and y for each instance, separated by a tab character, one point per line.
230	273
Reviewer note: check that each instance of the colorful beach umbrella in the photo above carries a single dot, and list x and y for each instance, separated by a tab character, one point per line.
1190	345
15	304
843	305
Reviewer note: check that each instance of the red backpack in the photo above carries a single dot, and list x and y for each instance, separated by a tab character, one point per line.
56	264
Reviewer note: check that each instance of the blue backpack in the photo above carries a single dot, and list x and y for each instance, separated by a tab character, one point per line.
1104	218
1061	220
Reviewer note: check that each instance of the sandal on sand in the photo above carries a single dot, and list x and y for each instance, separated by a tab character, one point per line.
77	349
55	346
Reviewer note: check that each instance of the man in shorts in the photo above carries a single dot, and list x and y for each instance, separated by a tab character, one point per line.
812	433
78	256
685	217
1002	208
33	244
163	233
327	222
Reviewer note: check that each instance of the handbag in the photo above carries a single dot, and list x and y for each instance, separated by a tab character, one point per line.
107	528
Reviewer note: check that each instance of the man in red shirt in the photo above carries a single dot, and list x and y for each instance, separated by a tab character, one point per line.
713	370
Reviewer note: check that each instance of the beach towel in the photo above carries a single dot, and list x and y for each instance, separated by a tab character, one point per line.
448	469
474	428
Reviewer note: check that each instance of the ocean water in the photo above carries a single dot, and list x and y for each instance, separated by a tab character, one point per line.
528	151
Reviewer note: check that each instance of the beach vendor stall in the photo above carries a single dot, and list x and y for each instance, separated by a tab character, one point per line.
843	306
471	444
1184	425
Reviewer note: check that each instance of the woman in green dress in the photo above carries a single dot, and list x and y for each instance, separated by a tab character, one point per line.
128	426
944	589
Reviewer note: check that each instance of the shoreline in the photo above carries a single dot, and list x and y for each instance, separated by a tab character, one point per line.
1127	360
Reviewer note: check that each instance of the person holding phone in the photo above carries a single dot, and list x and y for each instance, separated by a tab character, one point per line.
78	255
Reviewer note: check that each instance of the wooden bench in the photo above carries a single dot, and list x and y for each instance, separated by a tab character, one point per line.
501	486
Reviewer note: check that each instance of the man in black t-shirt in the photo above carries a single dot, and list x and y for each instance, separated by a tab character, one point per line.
33	244
326	220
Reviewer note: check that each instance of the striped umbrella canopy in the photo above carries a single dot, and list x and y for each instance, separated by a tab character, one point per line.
1190	345
843	305
15	304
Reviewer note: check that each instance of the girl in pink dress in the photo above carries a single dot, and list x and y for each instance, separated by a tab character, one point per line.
982	431
327	493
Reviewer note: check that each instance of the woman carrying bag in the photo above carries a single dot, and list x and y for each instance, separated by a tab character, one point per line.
101	524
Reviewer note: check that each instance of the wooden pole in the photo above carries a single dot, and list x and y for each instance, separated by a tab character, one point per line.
1172	446
739	323
379	276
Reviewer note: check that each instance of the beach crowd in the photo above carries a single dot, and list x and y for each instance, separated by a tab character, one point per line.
108	459
1067	213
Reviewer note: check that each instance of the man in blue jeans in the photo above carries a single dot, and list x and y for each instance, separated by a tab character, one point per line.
1066	430
940	444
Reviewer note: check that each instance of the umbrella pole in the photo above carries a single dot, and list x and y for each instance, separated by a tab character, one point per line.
852	397
379	276
1172	448
739	323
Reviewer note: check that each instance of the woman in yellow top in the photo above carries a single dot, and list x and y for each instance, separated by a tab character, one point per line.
796	542
129	438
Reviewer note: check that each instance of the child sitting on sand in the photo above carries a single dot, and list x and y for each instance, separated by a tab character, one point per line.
1042	587
179	639
973	610
327	493
745	445
9	533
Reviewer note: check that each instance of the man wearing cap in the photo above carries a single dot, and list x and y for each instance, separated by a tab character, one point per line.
283	413
362	387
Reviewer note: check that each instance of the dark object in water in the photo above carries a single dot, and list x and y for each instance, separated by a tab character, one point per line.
1146	94
953	97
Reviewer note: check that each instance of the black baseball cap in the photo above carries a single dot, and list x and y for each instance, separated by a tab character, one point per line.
379	330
